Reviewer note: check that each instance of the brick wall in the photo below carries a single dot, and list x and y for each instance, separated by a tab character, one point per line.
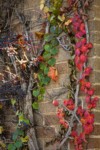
50	120
46	125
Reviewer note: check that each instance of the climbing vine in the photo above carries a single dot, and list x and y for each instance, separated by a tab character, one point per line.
29	65
73	21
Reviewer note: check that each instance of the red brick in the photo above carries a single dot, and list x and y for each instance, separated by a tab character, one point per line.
51	120
97	117
96	130
92	144
45	132
46	107
62	67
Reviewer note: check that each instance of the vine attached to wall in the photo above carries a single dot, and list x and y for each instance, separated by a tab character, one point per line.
30	65
73	22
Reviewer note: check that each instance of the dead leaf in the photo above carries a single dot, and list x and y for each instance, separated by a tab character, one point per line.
1	129
42	3
68	22
39	35
53	73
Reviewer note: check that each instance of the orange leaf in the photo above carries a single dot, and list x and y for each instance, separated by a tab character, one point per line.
53	73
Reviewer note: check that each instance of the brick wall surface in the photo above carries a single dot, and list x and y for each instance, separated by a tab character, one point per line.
46	125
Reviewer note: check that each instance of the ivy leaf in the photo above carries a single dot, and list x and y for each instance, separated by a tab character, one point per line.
48	37
46	55
11	147
13	101
52	29
42	90
46	69
24	139
54	42
42	66
40	97
36	92
40	76
47	47
52	61
17	133
46	80
18	144
35	105
26	121
54	51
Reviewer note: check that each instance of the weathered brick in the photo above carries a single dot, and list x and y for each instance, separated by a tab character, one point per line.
55	93
45	132
62	67
92	144
94	63
51	120
96	130
95	77
95	37
63	79
94	25
62	55
31	4
94	12
97	117
96	2
97	89
46	107
97	49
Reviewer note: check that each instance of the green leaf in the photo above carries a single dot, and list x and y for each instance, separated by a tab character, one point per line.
17	133
35	105
52	17
42	66
47	47
13	101
11	147
46	55
40	97
36	92
52	61
42	90
48	37
55	30
40	76
46	70
18	144
54	42
46	80
26	121
54	51
52	29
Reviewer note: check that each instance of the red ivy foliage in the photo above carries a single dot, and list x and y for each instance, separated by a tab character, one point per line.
82	48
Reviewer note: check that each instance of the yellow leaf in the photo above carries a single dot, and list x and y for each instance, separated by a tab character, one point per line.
2	144
1	129
25	139
1	106
21	117
46	9
42	3
68	22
